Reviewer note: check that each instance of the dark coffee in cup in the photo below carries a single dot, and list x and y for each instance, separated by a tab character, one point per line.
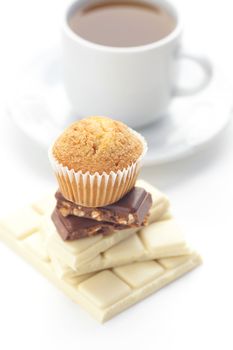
121	24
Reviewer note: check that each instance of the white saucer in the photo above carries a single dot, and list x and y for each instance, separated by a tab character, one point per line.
40	109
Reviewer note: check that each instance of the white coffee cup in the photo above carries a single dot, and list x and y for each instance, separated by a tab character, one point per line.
132	84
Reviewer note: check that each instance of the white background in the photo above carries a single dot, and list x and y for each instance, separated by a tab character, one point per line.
193	313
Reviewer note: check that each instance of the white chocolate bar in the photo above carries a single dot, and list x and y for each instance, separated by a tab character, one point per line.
81	251
104	294
158	240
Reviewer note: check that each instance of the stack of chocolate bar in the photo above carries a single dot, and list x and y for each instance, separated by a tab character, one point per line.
74	221
114	268
136	228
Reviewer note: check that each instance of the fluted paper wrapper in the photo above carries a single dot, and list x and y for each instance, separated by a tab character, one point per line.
96	190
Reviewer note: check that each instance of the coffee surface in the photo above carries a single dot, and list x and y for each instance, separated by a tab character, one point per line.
122	24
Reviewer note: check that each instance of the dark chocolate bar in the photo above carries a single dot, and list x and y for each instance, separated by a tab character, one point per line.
132	210
73	227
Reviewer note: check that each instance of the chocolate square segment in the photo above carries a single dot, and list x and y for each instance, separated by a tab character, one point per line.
73	227
132	210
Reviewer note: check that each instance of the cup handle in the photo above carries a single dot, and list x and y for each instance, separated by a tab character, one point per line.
207	71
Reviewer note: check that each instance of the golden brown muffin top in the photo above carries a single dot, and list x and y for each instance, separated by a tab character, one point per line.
97	144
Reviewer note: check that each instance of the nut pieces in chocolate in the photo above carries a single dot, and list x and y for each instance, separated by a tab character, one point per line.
74	222
131	210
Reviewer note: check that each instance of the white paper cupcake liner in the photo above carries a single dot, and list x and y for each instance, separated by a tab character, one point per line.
96	190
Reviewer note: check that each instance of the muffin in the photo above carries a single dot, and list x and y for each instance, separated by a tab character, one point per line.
96	161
